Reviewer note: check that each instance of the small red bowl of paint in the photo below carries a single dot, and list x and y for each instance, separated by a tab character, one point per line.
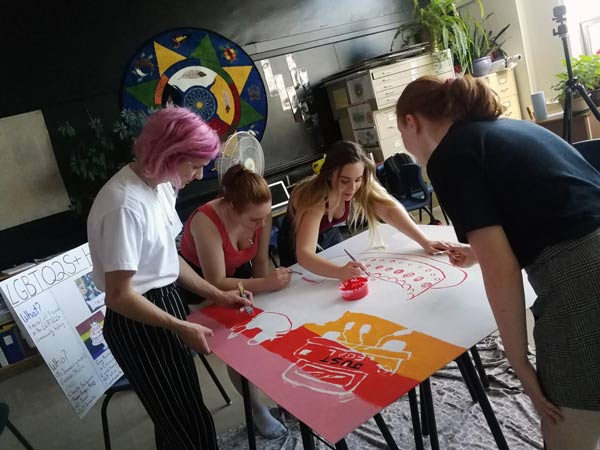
354	288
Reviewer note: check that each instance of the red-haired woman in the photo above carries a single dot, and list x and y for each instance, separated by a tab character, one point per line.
131	231
522	198
227	241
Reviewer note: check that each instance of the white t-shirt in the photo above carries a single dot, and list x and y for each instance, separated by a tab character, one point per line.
133	227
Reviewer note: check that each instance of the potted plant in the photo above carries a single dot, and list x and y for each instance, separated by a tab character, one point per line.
587	70
440	24
96	153
484	45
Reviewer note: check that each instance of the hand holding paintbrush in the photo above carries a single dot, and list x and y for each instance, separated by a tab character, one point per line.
354	268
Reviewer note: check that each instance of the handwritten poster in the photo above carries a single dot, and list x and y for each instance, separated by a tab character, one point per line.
62	311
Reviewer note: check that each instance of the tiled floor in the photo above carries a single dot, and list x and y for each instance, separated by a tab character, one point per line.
40	411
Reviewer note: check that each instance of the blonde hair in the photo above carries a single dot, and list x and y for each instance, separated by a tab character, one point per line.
315	191
456	99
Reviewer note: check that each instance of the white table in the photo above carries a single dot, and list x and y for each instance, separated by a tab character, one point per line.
334	364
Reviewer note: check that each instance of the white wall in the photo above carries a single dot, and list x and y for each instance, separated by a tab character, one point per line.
579	11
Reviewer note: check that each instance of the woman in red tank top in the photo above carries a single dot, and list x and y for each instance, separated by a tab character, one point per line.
227	240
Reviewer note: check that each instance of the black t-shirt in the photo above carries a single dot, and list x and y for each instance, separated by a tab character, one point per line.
518	175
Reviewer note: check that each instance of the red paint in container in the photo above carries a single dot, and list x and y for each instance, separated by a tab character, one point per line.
354	288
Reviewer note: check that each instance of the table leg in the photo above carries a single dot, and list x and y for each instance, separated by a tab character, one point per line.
484	402
479	367
248	412
470	387
308	441
414	413
341	445
424	423
389	440
433	437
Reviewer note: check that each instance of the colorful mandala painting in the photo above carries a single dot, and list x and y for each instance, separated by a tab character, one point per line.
202	71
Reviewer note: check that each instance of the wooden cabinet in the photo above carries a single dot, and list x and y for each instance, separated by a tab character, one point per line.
363	102
503	83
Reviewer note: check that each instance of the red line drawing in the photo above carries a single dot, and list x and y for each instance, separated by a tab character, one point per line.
414	274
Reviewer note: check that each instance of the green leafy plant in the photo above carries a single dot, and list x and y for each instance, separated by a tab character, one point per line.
483	41
587	70
440	24
96	153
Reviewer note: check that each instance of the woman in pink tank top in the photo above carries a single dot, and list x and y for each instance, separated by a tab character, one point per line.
227	240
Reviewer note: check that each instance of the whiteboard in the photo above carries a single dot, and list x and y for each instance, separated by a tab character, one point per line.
61	310
30	183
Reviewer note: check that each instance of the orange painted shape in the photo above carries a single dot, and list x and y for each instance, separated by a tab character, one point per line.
239	75
395	349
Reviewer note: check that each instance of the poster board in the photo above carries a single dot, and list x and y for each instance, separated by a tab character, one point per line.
28	167
334	364
57	304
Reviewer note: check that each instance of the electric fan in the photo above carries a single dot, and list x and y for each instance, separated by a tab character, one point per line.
241	148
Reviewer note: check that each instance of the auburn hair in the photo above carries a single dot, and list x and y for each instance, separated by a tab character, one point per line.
243	188
456	99
315	191
170	136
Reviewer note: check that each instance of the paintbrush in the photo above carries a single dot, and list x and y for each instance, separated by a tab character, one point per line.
248	309
354	259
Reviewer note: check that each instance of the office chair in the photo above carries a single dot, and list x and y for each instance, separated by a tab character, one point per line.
122	384
590	150
4	422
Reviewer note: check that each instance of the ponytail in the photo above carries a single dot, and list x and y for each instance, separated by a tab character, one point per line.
243	188
458	99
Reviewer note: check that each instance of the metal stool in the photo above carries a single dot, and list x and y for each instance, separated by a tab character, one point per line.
122	384
4	422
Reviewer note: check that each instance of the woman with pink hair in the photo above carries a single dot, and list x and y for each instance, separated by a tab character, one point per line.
131	231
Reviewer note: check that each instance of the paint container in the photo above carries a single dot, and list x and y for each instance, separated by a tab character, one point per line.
354	288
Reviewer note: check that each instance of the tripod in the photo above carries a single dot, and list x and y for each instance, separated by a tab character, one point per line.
572	84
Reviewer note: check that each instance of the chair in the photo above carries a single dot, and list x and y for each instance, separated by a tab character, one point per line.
122	384
590	150
4	422
403	179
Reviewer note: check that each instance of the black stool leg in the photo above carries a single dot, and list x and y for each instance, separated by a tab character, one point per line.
215	379
467	381
18	435
433	437
248	413
484	402
424	422
479	367
414	413
389	440
308	441
105	431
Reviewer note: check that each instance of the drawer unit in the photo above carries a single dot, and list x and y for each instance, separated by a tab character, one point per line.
363	102
503	83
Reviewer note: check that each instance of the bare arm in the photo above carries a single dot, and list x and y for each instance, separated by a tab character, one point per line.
307	234
209	248
504	287
123	299
260	263
399	218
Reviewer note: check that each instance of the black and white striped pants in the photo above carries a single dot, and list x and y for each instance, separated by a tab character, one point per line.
162	372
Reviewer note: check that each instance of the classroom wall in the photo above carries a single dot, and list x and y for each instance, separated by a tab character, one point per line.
66	58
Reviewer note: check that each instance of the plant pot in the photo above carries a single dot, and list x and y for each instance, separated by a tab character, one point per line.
481	66
595	96
577	104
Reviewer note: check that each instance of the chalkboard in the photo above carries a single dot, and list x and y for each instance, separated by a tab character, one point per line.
62	313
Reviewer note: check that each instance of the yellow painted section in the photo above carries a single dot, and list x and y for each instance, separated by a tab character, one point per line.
165	57
224	96
395	348
239	75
